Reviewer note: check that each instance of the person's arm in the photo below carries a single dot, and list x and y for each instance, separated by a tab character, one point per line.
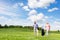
37	27
33	26
45	27
49	27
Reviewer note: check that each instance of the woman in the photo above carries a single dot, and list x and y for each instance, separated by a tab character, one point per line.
47	28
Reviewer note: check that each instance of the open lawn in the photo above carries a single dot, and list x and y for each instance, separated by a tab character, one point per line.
25	34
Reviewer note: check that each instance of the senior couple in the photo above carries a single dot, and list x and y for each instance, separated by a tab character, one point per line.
47	28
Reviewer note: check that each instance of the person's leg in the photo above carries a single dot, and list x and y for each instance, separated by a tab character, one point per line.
46	32
34	31
37	31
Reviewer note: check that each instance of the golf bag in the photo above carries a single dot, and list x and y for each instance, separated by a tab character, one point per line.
42	32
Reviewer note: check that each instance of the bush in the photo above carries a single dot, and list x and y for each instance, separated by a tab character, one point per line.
6	26
0	26
12	26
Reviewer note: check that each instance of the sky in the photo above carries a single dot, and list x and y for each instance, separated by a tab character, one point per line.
25	12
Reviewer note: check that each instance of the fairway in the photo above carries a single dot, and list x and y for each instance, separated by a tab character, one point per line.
24	34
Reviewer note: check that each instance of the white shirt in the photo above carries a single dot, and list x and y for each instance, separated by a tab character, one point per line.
35	26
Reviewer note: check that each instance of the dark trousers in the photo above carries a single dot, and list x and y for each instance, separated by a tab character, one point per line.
42	32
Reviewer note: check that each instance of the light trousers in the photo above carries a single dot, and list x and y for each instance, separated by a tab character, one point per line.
36	31
47	32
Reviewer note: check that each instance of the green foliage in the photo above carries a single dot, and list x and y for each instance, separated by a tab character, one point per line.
18	26
0	25
10	26
29	27
5	26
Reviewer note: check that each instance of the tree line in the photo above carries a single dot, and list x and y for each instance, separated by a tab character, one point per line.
16	26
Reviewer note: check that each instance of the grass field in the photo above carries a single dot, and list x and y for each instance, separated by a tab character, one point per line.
25	34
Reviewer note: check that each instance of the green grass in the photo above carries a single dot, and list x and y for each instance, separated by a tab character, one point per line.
25	34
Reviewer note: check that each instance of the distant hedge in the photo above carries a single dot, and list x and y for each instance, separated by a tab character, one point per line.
17	26
10	26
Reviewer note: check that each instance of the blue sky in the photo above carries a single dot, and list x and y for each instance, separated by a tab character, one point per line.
25	12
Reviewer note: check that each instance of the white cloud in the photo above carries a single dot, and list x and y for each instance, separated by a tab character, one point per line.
21	4
9	17
17	4
26	8
46	17
3	20
6	14
57	23
40	16
5	11
32	12
14	21
33	16
2	17
39	3
53	9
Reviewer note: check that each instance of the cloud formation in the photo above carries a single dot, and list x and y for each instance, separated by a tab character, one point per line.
40	3
33	16
53	9
32	12
26	8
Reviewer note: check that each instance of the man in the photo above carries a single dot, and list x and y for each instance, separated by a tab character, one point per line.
35	28
47	28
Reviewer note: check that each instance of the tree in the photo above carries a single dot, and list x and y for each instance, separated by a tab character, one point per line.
0	26
6	26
